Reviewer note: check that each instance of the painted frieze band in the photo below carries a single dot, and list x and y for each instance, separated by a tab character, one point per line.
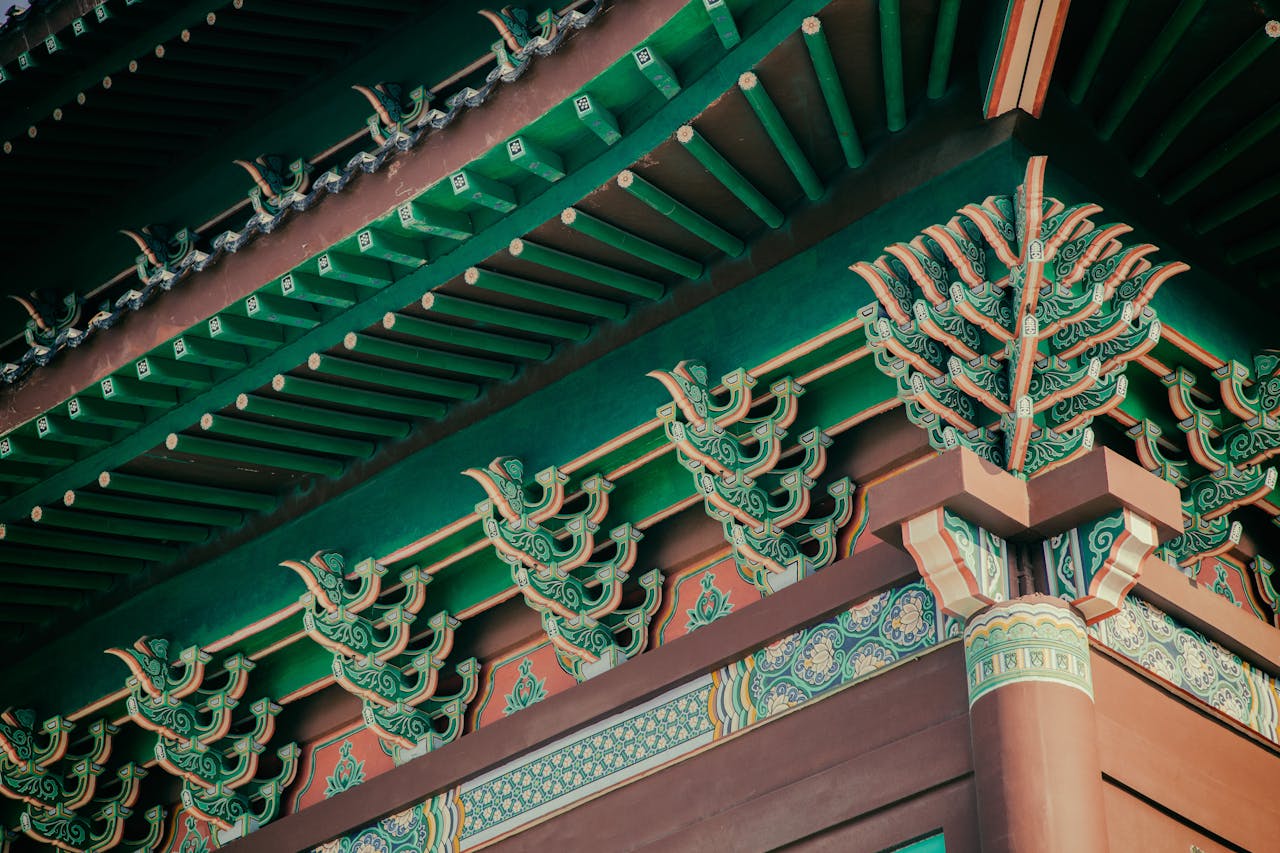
1194	664
803	667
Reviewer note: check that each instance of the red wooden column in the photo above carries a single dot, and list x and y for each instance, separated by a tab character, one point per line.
975	531
1033	730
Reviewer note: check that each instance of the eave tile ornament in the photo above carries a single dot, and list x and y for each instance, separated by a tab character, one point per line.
56	775
375	657
395	116
520	36
735	462
276	185
50	317
334	180
550	554
193	713
164	252
1009	328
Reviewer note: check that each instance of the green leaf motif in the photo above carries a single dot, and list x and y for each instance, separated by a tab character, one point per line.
712	603
529	689
1222	586
193	841
346	774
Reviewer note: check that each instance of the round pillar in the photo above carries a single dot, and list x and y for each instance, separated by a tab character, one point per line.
1033	730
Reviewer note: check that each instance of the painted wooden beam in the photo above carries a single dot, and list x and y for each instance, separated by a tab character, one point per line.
283	410
142	508
564	262
1097	49
133	484
450	224
1259	194
393	248
1194	103
824	65
111	525
624	241
1153	59
657	70
73	432
895	104
404	380
430	330
21	448
193	349
362	398
1213	160
1025	57
722	19
282	311
291	437
354	269
944	41
95	545
483	191
91	410
680	214
535	158
496	315
228	328
311	288
43	576
557	297
249	454
780	134
723	171
601	122
431	359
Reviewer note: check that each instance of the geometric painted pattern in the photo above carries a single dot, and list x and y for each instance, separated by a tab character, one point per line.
427	826
1194	664
1021	641
796	670
573	769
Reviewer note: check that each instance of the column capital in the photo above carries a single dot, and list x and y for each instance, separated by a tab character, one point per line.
1035	638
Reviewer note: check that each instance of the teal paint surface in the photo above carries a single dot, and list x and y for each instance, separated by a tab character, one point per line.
933	844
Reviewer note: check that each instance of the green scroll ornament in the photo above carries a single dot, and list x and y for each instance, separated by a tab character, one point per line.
551	559
376	656
735	459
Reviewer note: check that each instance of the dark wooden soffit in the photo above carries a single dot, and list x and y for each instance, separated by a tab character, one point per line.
239	275
839	586
148	84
